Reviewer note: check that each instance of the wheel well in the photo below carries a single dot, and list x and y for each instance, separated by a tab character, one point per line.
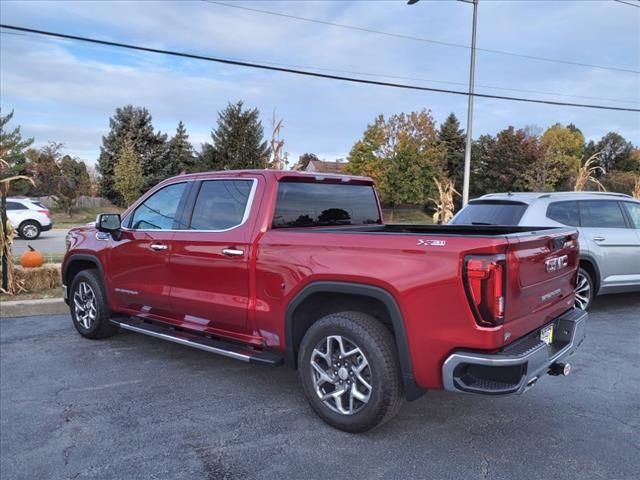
29	220
320	304
591	269
75	267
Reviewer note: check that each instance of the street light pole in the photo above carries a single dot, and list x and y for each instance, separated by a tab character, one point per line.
472	71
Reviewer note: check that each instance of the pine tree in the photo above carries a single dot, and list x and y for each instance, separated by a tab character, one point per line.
180	154
128	173
133	123
13	149
238	140
452	138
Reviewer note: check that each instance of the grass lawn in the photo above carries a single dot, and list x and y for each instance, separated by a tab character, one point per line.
49	293
406	215
79	216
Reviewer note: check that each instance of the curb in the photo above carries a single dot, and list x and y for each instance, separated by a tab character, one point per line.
28	308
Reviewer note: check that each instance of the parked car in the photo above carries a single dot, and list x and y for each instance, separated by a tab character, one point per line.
28	217
276	267
608	223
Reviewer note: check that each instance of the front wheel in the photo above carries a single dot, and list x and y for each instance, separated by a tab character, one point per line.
350	372
584	292
89	308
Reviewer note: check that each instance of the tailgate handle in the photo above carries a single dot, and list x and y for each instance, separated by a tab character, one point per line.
558	243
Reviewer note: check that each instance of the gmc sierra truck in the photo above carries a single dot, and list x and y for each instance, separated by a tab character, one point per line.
274	267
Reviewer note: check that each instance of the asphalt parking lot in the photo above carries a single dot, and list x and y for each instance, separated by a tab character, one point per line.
50	242
133	407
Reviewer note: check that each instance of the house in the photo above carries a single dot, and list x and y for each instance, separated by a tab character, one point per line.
322	166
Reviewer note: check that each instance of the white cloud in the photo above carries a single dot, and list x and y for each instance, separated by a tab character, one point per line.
66	91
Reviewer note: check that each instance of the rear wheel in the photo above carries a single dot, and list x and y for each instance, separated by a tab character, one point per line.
350	372
29	230
584	292
89	308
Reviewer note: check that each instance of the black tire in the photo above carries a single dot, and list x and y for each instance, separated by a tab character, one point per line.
29	230
100	326
378	346
585	290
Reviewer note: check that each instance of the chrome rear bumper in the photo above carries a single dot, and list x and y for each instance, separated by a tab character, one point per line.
518	366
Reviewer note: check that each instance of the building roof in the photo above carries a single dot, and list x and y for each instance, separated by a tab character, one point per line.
323	166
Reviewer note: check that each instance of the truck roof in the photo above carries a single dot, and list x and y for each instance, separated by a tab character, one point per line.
529	197
281	174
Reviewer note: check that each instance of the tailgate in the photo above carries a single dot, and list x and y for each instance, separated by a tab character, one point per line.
541	275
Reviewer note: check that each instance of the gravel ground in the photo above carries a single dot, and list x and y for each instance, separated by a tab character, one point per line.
133	407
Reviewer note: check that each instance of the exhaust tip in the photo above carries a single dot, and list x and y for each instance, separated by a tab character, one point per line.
557	369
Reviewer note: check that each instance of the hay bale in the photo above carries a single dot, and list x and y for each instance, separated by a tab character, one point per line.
40	278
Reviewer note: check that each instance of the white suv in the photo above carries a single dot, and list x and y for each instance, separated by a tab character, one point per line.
28	217
608	223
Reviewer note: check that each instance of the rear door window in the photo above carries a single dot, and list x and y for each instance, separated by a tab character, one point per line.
15	206
601	214
566	213
633	209
491	212
221	204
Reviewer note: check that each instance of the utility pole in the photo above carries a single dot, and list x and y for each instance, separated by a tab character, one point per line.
472	71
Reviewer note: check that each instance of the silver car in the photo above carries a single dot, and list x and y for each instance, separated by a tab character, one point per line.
609	226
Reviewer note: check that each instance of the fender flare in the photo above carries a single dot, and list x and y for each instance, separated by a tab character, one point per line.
412	391
85	257
587	257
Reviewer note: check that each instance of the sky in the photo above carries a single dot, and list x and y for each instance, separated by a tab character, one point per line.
65	91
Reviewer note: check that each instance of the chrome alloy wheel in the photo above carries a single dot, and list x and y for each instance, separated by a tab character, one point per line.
582	292
341	375
85	305
30	231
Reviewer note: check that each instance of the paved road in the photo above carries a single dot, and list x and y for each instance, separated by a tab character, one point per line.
51	242
138	408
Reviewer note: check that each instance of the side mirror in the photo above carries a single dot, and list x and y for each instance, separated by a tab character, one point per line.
108	222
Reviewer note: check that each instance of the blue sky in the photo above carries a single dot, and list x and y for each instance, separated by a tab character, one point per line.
65	92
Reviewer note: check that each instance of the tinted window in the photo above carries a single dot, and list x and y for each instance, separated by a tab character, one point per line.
320	204
15	206
601	213
490	212
566	213
220	204
634	212
158	212
39	204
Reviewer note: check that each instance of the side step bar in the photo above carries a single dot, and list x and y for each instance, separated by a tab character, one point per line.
227	349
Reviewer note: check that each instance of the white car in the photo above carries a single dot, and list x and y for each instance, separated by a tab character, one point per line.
28	217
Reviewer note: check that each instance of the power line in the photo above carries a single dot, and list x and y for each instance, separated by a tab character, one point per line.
419	39
401	77
307	73
637	5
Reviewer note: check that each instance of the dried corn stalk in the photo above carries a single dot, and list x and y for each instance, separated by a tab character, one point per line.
587	174
636	188
444	203
7	233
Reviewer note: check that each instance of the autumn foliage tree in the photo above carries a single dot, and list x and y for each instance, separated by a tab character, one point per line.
402	154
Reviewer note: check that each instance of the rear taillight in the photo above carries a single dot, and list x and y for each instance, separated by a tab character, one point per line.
46	212
484	281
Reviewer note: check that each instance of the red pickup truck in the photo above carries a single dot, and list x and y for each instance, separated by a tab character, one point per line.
277	267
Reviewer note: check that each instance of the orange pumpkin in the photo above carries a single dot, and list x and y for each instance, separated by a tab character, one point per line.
31	258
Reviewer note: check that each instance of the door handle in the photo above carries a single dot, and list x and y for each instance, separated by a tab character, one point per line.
233	252
599	239
158	246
